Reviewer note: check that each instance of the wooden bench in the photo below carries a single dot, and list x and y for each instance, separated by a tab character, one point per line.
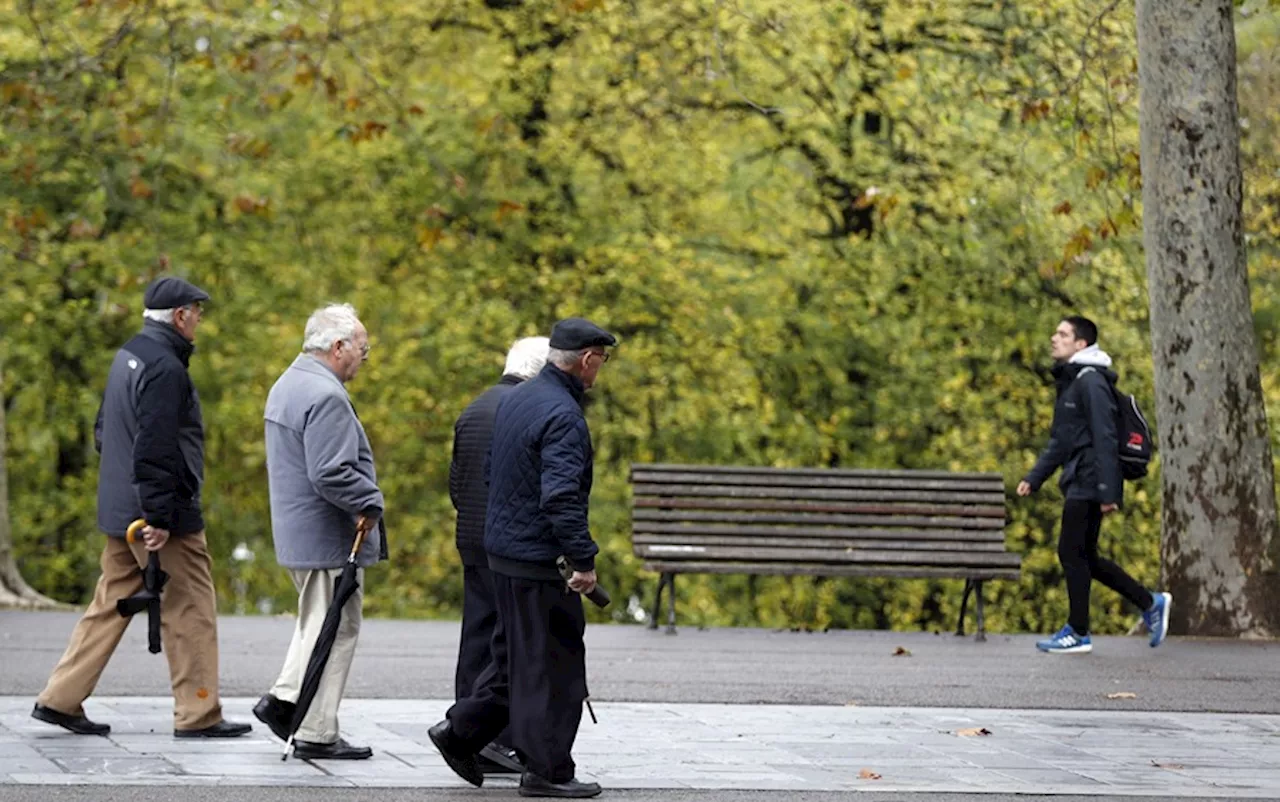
700	519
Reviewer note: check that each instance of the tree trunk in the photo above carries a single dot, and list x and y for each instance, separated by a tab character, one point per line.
1219	507
14	591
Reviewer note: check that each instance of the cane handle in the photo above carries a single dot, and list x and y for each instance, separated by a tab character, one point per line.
131	535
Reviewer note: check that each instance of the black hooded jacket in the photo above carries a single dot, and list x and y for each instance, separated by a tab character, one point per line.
1083	437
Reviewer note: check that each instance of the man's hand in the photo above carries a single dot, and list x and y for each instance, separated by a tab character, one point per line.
1107	508
366	523
583	581
1024	489
153	538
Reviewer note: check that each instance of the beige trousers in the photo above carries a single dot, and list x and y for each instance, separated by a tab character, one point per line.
315	594
188	630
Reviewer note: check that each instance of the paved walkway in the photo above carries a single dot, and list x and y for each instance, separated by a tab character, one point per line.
700	746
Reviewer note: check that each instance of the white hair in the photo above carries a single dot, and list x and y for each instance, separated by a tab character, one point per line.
162	315
328	325
527	357
565	359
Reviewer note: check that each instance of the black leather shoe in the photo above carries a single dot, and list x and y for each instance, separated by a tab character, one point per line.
277	715
463	764
223	729
338	750
77	724
498	758
533	785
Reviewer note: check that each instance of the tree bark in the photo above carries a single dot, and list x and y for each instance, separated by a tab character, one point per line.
14	590
1219	540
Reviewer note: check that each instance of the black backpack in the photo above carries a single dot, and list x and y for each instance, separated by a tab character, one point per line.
1133	435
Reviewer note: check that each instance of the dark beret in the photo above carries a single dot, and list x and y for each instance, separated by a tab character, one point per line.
574	334
171	292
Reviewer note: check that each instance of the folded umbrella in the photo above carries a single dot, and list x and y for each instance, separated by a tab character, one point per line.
148	598
343	588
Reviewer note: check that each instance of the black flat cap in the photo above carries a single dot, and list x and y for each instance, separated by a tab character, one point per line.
574	334
170	292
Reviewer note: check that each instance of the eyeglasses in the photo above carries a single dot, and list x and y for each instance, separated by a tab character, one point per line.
605	356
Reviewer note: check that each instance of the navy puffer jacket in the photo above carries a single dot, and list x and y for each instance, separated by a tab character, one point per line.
540	466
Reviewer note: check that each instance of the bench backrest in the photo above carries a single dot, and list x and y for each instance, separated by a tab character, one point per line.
723	519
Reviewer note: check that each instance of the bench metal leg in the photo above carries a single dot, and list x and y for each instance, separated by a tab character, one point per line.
964	606
671	602
657	601
982	620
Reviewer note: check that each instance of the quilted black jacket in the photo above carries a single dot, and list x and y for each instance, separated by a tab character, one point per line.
471	437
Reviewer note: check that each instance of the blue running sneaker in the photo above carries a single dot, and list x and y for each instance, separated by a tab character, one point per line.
1066	642
1157	618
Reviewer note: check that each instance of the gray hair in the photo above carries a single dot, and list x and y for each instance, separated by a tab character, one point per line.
527	357
565	359
162	315
328	325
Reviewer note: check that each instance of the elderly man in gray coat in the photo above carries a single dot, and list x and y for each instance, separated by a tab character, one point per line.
322	485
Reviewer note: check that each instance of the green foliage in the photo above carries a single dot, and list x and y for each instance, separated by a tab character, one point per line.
828	234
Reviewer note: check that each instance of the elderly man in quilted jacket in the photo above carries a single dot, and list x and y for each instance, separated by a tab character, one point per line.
540	471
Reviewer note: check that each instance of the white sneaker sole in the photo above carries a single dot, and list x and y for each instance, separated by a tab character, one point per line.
1083	648
1164	618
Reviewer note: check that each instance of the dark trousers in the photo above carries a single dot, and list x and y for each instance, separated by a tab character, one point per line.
536	683
479	620
1081	563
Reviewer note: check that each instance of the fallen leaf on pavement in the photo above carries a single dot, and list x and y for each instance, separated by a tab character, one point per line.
972	731
868	774
1171	766
1122	695
901	652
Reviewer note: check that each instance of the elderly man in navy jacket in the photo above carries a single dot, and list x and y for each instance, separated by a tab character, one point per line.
540	471
150	434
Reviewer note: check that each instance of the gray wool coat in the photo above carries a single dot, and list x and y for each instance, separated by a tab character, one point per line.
320	471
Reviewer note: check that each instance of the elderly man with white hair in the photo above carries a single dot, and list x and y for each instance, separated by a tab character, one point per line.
323	485
470	494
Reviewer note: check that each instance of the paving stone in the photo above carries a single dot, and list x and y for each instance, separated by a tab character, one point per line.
126	766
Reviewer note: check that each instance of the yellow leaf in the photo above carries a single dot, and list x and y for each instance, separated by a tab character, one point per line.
973	732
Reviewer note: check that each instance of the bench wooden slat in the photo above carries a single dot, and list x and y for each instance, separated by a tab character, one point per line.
815	569
700	517
834	556
843	483
920	522
970	511
810	491
679	529
817	494
809	541
797	506
870	473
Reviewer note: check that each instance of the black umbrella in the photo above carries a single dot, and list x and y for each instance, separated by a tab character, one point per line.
148	598
343	587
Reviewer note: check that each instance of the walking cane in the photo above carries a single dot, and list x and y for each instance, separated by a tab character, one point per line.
598	597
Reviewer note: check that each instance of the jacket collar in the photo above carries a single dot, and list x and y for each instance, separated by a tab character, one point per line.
169	336
510	379
309	364
568	381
